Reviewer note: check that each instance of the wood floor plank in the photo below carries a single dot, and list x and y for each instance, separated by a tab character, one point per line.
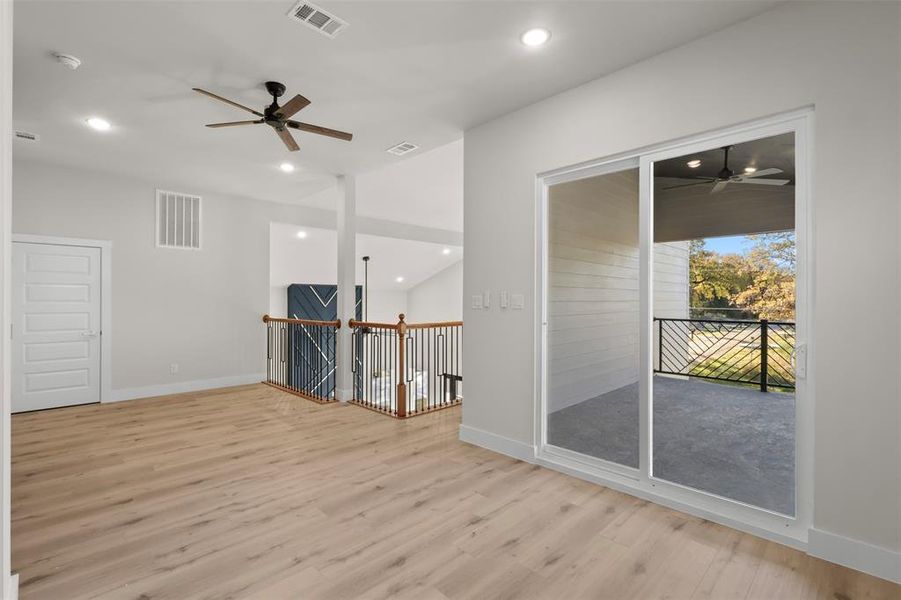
250	492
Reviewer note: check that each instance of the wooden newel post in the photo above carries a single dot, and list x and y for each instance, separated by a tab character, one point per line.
401	367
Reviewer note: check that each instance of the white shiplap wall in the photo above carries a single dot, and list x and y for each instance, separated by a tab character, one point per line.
593	286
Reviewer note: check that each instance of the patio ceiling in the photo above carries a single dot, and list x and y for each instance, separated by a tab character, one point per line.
689	213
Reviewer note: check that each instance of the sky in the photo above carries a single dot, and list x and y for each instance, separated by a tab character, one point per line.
733	244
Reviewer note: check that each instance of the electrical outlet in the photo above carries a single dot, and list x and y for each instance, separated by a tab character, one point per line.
518	301
173	368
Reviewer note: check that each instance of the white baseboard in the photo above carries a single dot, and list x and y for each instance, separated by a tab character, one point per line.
182	387
497	443
854	554
12	592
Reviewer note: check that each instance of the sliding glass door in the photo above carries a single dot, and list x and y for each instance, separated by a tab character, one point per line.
724	321
592	306
673	325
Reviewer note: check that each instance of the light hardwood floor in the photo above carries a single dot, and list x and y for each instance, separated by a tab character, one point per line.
253	493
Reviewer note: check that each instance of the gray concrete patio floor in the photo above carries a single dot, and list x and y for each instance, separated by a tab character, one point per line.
731	441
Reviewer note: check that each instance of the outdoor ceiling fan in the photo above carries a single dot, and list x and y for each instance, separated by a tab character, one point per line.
727	176
278	117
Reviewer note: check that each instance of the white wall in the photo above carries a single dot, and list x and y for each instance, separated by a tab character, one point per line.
438	298
199	309
313	259
593	286
385	306
841	57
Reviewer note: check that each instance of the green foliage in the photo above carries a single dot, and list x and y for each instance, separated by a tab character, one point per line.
761	281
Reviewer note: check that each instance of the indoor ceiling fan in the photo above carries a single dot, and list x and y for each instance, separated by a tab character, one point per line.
278	117
727	176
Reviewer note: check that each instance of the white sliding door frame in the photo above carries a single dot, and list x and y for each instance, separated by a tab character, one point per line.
106	312
790	530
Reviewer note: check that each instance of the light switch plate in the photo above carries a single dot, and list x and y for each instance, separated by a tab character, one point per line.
518	301
486	299
477	302
505	299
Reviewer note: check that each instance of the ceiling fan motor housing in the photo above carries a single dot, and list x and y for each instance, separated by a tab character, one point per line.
275	88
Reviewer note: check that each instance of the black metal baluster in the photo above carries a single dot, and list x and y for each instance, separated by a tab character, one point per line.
764	353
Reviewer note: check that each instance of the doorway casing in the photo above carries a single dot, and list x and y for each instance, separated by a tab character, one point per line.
105	246
640	482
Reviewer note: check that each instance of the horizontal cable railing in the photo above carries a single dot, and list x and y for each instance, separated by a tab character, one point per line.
407	369
752	352
301	356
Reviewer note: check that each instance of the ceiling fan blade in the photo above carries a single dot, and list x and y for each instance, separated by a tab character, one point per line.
320	130
761	173
763	181
233	123
292	106
719	186
227	101
685	185
288	139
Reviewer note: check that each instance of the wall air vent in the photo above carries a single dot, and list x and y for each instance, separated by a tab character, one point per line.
402	148
28	137
177	220
316	18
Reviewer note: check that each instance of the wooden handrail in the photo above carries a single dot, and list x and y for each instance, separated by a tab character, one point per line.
336	323
436	324
353	323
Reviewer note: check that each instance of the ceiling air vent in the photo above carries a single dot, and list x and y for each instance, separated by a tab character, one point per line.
316	18
28	137
402	148
177	220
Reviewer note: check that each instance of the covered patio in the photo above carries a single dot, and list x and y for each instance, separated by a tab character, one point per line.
729	440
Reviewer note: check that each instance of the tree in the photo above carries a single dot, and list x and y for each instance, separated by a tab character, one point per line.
760	282
771	265
714	278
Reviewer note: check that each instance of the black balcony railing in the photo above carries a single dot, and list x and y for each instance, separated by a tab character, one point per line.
751	352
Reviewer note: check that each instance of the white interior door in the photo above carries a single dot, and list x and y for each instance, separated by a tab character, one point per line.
55	326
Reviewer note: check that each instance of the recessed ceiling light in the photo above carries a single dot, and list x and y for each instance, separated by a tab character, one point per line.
286	167
98	123
399	279
446	251
694	164
301	234
750	169
535	37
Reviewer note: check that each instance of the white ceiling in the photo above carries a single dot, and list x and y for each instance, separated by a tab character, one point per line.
425	190
423	72
313	259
